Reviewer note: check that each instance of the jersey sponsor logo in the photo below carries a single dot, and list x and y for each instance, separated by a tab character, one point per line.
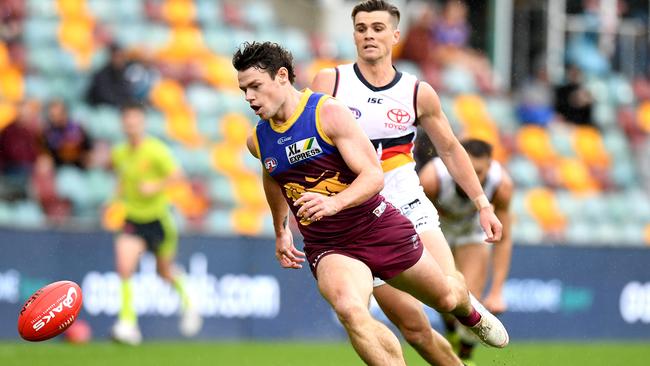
67	301
302	150
397	115
373	100
283	139
415	241
380	209
355	112
270	164
407	208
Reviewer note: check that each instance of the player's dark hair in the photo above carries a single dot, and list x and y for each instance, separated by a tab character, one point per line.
266	56
477	148
130	106
376	5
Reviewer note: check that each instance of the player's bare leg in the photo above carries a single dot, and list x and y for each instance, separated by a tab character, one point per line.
472	260
346	284
436	244
407	313
420	281
128	249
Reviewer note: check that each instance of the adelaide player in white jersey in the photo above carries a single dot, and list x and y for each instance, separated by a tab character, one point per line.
460	225
388	105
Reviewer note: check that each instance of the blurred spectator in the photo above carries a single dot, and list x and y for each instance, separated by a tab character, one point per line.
453	28
572	99
451	34
12	13
19	151
65	140
110	85
535	99
419	43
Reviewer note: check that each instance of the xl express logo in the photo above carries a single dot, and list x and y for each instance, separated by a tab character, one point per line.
302	150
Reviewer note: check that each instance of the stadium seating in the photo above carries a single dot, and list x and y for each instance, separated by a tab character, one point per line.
577	185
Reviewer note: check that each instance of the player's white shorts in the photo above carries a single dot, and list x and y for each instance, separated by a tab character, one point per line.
403	190
464	233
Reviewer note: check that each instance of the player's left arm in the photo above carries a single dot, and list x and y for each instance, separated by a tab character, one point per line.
502	252
434	122
338	124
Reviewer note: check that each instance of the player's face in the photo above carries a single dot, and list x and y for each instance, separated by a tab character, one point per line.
481	166
261	91
374	35
133	123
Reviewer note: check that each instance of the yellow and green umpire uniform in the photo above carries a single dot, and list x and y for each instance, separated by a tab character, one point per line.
147	216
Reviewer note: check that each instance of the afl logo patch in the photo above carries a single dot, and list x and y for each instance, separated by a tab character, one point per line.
270	164
355	112
397	115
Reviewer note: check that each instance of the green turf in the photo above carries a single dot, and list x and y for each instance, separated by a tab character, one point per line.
303	354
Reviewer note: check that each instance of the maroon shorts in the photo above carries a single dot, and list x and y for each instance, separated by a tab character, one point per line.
388	247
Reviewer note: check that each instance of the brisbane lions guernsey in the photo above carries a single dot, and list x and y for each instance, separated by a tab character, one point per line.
301	158
387	114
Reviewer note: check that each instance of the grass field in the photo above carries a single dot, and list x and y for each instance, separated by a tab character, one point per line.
303	354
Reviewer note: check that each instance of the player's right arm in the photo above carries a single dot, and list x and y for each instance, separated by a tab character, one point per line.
324	81
285	251
429	180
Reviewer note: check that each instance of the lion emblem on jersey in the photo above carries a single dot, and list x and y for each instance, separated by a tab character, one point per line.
327	184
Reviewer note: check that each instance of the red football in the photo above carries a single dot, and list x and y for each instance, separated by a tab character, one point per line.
49	311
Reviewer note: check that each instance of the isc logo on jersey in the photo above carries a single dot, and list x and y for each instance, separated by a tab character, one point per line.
303	149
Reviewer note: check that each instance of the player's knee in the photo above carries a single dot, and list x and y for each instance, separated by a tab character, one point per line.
351	314
417	336
446	302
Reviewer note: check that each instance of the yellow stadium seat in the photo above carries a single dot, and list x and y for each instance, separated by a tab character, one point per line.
227	158
185	45
12	86
4	56
471	108
534	143
181	126
167	95
7	114
247	221
248	189
179	12
72	9
589	146
76	36
219	72
574	176
643	116
235	128
542	205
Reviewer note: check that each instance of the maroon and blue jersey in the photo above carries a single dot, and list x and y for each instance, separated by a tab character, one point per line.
301	158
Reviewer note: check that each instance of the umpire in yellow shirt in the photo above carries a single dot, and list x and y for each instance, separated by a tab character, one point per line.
145	167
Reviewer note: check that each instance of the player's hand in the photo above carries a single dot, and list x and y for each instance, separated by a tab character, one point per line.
286	253
490	224
315	206
495	303
149	188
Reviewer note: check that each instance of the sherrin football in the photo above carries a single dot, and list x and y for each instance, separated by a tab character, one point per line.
49	311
